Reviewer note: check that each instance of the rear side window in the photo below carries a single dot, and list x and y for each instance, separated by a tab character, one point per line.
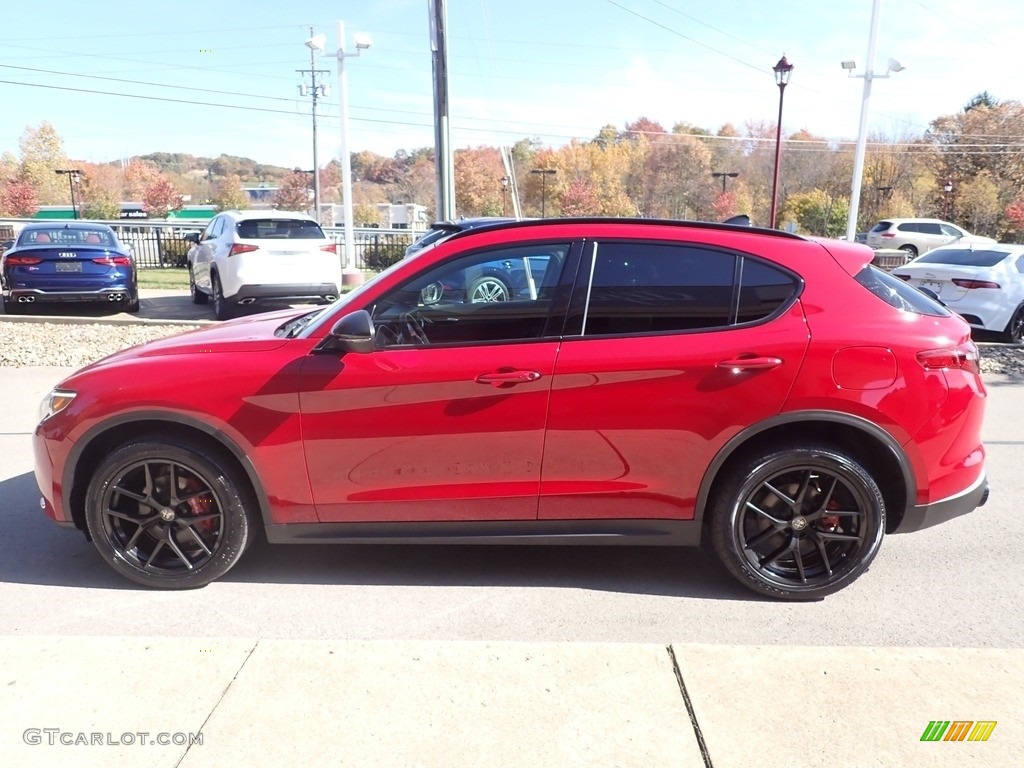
652	288
881	226
897	293
279	229
964	257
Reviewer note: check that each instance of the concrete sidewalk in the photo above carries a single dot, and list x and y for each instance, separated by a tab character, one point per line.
330	703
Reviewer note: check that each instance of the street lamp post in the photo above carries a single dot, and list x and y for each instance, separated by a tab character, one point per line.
544	173
362	43
504	195
782	71
862	130
316	44
723	175
74	175
946	189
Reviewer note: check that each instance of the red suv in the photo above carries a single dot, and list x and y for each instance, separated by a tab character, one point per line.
657	383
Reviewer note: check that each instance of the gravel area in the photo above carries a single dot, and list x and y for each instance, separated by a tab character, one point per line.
62	344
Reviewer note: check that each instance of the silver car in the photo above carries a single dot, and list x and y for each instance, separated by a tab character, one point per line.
917	236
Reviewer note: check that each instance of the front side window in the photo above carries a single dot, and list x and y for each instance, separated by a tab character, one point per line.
492	296
654	288
949	229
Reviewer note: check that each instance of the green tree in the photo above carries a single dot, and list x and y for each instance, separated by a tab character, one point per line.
818	213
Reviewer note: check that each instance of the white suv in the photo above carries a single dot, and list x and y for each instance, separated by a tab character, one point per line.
247	256
917	236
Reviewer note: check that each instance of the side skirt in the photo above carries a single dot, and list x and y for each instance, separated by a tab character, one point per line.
666	533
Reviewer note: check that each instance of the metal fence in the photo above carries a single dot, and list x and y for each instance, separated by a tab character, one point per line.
163	244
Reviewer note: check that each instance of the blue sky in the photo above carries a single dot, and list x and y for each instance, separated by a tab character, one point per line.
553	70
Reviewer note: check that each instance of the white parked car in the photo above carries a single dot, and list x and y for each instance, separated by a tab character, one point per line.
917	236
243	257
983	283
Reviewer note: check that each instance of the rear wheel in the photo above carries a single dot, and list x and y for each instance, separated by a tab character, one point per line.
222	308
910	250
797	522
198	297
488	288
1014	333
167	514
132	304
12	308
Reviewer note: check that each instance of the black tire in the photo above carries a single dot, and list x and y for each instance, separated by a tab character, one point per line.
198	297
133	305
910	250
1014	332
168	514
12	308
222	308
797	521
487	288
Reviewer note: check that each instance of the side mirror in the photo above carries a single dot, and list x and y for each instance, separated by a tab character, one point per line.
192	237
354	332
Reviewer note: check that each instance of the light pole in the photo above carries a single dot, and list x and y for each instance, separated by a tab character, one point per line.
362	43
862	131
946	189
725	175
316	44
544	173
504	195
782	71
74	175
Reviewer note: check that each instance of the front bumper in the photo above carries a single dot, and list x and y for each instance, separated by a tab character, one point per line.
927	515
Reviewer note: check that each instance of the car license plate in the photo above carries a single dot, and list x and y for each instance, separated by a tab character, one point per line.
69	266
931	285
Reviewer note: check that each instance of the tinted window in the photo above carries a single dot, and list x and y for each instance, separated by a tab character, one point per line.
490	296
896	293
881	226
930	228
910	226
763	290
646	288
965	257
274	229
1020	264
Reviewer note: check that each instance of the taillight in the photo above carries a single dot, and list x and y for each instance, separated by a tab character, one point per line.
329	248
902	277
239	248
22	261
963	357
975	283
114	261
888	234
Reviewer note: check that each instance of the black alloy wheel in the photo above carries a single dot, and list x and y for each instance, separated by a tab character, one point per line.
222	308
167	514
797	523
198	297
1014	333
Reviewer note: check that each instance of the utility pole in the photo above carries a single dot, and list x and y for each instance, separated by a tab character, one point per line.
315	45
443	163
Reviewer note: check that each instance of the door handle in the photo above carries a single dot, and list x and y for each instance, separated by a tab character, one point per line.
501	378
753	363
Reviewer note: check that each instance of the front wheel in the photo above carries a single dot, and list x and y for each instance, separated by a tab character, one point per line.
198	297
797	522
1014	333
167	514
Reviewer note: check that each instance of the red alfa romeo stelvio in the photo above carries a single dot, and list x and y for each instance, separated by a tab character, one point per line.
564	381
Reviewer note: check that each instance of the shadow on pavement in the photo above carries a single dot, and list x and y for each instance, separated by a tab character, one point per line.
35	551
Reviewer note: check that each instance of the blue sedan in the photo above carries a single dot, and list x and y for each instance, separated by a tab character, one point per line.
80	261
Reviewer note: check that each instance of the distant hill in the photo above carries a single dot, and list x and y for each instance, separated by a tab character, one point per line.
245	168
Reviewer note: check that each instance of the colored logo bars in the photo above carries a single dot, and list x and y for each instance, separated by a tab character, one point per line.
958	730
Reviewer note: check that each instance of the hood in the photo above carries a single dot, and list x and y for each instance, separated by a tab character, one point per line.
243	335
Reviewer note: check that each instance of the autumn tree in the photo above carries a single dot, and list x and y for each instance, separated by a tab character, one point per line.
580	199
42	153
228	194
161	197
477	181
818	213
18	199
100	191
138	175
294	193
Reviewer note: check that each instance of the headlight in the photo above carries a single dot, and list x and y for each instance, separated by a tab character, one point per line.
55	402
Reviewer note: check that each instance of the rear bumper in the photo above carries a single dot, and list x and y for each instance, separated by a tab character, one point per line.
297	292
927	515
35	295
